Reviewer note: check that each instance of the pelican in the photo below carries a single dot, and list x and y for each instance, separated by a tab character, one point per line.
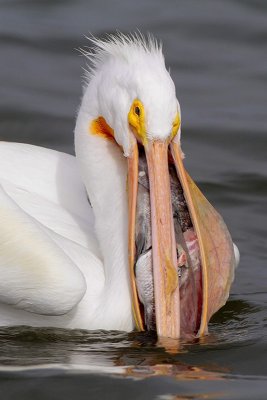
118	237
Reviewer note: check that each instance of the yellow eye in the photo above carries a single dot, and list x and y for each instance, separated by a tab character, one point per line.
175	126
136	119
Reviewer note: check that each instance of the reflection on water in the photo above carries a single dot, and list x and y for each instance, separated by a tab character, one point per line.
79	356
138	354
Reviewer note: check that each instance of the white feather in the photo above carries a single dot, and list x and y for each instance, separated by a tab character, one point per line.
51	266
122	47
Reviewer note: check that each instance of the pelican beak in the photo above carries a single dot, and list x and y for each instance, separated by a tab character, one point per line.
193	263
164	255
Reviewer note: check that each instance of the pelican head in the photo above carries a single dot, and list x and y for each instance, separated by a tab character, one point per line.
180	254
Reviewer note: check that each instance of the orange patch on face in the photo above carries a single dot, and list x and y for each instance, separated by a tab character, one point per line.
100	127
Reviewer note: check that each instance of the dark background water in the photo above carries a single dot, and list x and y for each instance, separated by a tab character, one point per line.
217	54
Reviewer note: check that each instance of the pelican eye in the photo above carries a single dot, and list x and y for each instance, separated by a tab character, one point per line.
137	111
136	120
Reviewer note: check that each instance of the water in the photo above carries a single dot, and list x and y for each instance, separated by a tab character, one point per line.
217	54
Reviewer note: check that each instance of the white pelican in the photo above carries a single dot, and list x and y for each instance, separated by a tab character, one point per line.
110	263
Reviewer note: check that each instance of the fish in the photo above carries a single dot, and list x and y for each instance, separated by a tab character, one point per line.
143	240
188	264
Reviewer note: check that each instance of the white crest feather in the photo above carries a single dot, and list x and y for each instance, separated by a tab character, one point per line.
120	46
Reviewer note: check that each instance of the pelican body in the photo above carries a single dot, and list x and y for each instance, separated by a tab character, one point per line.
118	237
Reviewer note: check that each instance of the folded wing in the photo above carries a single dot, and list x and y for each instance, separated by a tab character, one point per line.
46	231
